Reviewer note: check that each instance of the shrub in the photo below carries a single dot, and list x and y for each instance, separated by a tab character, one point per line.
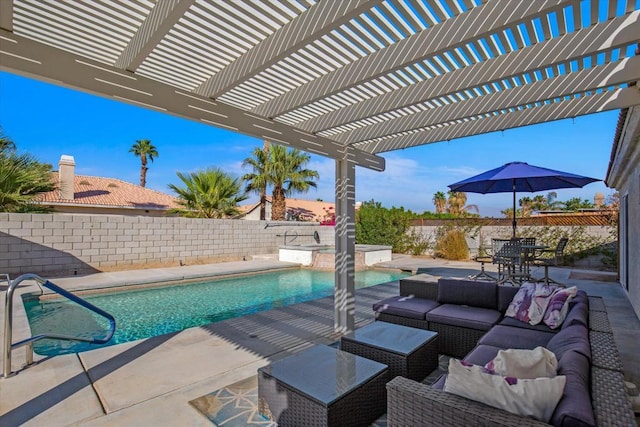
377	225
452	245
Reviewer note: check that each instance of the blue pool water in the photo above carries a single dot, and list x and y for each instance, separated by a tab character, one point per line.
155	311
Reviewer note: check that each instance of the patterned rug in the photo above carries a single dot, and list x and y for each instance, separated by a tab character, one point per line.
236	405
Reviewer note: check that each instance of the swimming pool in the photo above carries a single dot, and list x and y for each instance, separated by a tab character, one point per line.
155	311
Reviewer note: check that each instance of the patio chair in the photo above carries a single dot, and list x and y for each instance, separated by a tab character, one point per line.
509	260
479	253
551	257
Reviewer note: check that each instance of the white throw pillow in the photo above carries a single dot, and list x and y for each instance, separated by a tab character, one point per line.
524	364
536	398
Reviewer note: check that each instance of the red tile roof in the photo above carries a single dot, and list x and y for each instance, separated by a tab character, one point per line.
306	210
109	192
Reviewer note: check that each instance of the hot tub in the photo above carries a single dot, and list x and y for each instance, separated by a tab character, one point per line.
323	256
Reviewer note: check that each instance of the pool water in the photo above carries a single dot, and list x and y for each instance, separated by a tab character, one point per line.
155	311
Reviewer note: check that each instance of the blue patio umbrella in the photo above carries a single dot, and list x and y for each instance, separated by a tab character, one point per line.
518	177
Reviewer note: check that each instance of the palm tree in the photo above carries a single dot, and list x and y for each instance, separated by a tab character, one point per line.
258	180
457	204
7	145
210	193
440	202
287	175
22	178
143	148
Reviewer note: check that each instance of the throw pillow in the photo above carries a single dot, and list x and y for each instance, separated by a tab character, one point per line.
539	302
524	364
558	306
530	302
536	398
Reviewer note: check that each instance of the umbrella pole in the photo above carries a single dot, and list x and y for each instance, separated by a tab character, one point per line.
513	224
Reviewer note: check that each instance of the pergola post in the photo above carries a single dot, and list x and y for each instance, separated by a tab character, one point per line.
344	290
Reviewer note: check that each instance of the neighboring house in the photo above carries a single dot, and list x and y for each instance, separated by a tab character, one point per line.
624	175
98	195
297	209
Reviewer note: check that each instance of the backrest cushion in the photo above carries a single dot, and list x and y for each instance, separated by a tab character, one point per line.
574	408
572	338
468	292
578	314
505	296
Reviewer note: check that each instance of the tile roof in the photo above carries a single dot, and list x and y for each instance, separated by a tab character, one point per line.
306	210
109	192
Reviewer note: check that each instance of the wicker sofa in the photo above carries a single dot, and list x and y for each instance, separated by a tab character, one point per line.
468	315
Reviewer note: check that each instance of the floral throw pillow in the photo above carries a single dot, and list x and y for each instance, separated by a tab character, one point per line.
558	306
530	302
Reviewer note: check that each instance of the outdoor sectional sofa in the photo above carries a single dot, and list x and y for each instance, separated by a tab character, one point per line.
469	318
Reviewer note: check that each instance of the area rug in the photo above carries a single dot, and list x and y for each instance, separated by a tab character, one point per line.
236	405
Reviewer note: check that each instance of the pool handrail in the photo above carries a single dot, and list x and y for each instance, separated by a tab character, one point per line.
28	342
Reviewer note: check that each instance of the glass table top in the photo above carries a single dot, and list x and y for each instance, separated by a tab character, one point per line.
324	373
392	337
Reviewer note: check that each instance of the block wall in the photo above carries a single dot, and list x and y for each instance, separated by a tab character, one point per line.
67	244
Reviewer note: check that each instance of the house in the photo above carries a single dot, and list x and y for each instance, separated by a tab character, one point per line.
297	209
98	195
623	174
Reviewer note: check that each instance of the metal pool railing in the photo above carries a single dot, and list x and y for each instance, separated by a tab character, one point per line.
8	321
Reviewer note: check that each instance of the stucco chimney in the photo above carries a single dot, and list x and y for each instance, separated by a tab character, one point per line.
67	173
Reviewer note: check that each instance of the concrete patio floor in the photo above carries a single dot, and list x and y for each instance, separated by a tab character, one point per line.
151	381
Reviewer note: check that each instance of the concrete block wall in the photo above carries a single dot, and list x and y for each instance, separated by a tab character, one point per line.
68	244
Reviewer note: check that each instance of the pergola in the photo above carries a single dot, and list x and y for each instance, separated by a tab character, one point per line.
346	79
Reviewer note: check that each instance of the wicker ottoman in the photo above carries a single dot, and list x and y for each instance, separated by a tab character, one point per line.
323	386
409	352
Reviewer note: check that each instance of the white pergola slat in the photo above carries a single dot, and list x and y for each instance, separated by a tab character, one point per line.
611	100
585	80
476	23
608	35
344	79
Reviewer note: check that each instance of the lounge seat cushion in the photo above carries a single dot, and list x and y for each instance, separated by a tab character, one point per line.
573	338
510	337
510	321
481	319
413	308
468	292
482	354
574	408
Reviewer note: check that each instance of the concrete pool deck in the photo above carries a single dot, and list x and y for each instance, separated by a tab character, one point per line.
151	381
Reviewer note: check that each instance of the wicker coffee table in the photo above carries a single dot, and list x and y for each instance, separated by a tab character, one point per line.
409	352
323	386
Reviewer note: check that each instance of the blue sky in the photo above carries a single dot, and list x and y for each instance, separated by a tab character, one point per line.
48	121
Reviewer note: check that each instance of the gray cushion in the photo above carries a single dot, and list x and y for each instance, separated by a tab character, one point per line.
572	338
468	292
510	321
482	354
439	383
578	314
574	409
413	308
510	337
581	297
505	296
462	315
